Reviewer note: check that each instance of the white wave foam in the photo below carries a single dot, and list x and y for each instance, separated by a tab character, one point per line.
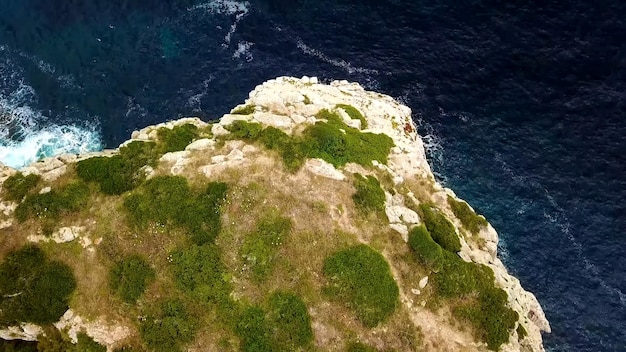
226	7
243	51
25	134
337	63
51	141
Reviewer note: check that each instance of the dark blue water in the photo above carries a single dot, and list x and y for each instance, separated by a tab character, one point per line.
523	107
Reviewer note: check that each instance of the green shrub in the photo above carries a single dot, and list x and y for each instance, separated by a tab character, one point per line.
354	114
199	272
170	200
479	301
260	248
18	346
17	186
33	288
244	110
177	138
129	278
51	340
473	222
119	173
285	328
290	321
169	328
338	144
240	129
253	331
440	228
140	153
361	277
331	140
360	347
425	248
521	332
369	196
73	197
86	344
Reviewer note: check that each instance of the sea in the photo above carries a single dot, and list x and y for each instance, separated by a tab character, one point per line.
521	104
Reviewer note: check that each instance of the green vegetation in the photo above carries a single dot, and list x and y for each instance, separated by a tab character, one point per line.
290	321
18	346
440	228
123	172
119	173
354	114
286	327
52	340
307	100
244	110
169	328
427	250
331	140
470	286
129	278
369	196
260	247
86	344
170	200
521	332
17	186
338	144
177	138
33	288
360	347
361	278
199	272
472	221
253	331
51	205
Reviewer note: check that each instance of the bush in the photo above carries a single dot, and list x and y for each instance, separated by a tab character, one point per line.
338	144
244	110
286	328
290	321
177	138
440	228
369	196
33	288
240	129
473	222
199	272
129	278
18	346
169	200
260	247
86	344
331	140
53	204
51	340
18	185
169	328
119	173
481	303
425	248
253	331
354	114
361	278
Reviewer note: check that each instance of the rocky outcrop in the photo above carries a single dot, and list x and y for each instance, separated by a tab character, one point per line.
289	104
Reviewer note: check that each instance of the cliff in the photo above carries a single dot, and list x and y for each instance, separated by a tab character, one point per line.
306	219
